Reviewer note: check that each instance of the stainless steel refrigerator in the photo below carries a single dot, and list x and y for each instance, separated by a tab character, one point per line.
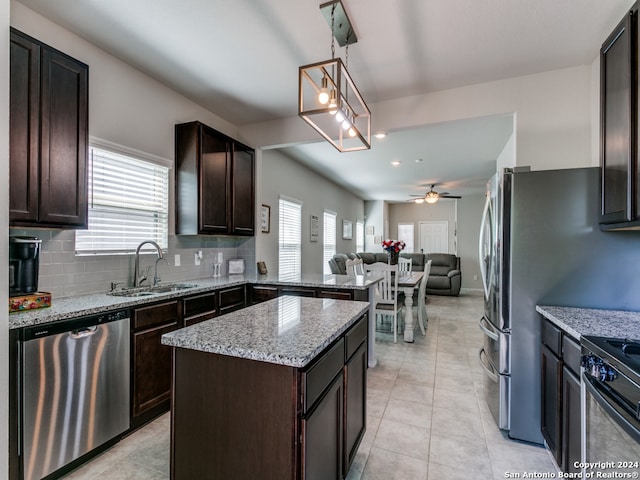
540	243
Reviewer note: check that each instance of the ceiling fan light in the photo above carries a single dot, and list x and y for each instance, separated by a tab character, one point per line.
431	197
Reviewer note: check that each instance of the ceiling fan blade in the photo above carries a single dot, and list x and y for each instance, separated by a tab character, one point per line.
412	195
449	196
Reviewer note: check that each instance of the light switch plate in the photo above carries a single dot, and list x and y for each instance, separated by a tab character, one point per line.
176	259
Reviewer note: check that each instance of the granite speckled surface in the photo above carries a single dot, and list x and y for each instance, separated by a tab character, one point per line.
579	322
70	307
287	330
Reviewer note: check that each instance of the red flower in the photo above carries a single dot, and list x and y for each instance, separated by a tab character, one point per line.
393	245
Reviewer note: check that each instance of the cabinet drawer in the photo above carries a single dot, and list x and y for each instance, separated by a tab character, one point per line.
320	375
355	336
552	337
199	304
156	314
298	292
262	294
571	354
337	294
231	299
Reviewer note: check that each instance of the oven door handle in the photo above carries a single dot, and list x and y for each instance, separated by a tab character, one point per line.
605	404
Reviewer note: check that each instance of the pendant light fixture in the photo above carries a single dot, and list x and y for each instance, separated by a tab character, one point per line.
328	99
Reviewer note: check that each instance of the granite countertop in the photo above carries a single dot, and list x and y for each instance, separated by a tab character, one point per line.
579	322
288	330
70	307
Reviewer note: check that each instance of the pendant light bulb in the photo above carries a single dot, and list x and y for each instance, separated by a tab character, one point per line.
323	97
339	116
352	132
346	124
333	103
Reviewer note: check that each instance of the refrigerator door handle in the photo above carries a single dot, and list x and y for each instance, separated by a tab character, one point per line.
488	331
486	214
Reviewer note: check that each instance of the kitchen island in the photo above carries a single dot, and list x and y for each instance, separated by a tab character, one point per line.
276	390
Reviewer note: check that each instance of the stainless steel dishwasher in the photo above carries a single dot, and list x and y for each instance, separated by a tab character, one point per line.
75	390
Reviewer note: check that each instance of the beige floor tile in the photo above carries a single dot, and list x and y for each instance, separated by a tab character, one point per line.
401	438
387	465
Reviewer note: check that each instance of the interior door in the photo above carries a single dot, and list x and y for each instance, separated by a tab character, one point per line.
434	237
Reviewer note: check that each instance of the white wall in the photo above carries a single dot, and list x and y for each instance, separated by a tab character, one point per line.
553	112
376	211
280	175
126	106
4	239
411	212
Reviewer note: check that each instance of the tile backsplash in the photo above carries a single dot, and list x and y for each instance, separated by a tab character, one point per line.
65	274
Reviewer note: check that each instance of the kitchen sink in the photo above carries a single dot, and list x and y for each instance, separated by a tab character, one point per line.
147	291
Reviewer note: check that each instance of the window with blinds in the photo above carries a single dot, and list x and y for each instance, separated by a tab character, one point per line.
405	233
329	240
128	203
289	239
359	236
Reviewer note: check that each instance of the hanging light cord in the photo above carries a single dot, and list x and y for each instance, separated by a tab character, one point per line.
333	36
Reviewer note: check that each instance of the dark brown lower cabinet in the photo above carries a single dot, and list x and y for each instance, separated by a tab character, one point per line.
151	361
561	405
551	406
570	421
236	418
322	435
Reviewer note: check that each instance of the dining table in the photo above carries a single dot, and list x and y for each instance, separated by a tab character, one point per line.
407	281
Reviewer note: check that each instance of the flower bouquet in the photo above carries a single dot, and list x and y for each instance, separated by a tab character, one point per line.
393	247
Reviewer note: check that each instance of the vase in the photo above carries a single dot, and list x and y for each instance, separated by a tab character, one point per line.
393	258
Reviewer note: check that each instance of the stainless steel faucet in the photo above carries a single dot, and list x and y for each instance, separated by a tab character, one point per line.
137	278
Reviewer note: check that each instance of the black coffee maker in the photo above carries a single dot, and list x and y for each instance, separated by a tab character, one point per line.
24	259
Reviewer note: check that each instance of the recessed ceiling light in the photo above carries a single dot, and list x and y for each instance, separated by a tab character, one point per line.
395	163
418	160
380	135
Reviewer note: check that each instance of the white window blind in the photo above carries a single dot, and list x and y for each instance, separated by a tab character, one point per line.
405	233
359	236
329	240
289	239
128	203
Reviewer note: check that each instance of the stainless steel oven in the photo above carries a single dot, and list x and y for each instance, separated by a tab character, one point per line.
610	407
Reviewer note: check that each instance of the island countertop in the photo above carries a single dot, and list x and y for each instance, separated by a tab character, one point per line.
579	322
70	307
287	330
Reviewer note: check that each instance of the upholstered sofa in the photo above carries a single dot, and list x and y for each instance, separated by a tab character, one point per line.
445	277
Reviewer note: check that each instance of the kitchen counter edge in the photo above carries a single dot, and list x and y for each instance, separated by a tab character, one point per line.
96	303
579	322
256	333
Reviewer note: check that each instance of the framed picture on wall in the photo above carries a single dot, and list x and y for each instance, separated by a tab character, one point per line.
370	230
315	228
347	229
265	218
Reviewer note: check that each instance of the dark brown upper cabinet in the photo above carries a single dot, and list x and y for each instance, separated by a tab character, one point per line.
620	195
215	183
49	136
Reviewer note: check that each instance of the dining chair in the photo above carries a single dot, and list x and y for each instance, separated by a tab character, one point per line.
354	267
420	301
405	264
386	303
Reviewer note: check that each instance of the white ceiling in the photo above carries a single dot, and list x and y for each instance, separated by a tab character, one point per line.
239	59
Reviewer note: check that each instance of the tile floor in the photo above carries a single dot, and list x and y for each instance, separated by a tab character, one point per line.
427	417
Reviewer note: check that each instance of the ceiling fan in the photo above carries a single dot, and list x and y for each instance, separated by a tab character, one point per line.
432	196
